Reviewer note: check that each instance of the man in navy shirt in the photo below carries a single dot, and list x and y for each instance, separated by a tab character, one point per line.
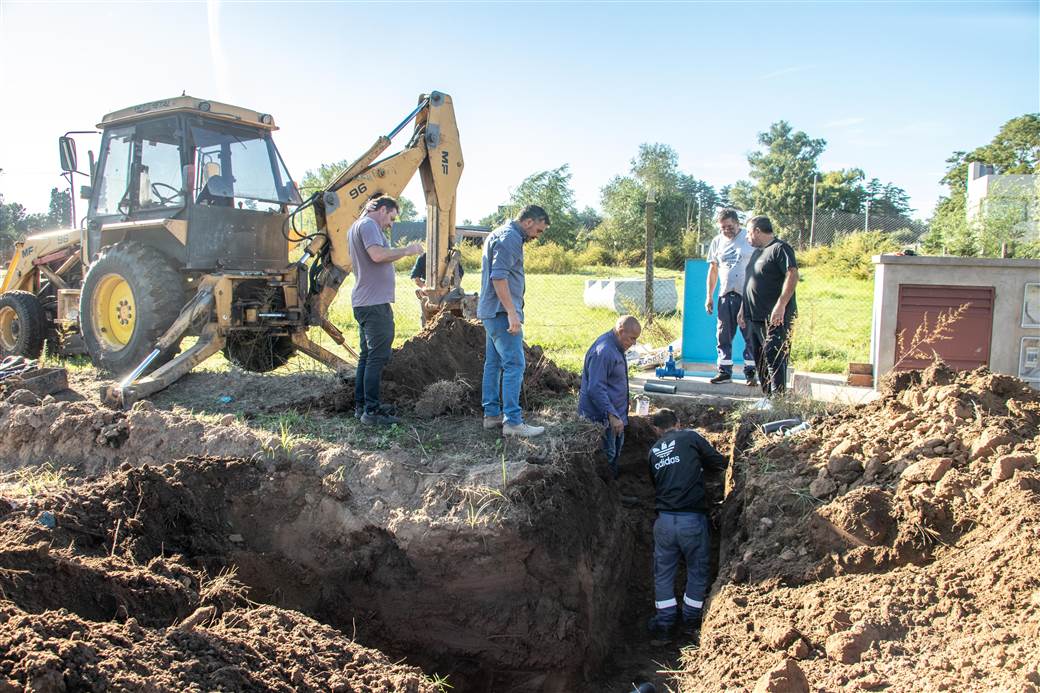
678	461
501	309
603	397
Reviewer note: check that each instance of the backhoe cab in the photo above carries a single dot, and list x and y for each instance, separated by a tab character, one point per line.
190	219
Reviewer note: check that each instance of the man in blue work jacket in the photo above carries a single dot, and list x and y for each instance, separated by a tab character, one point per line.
603	397
501	308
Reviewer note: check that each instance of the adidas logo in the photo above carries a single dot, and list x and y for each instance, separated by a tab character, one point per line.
664	450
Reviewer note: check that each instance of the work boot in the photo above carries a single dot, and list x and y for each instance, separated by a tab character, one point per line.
377	419
660	630
522	430
492	422
691	625
721	378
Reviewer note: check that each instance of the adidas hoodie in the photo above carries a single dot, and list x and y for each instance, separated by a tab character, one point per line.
677	463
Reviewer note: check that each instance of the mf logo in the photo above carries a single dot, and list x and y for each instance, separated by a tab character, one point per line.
444	162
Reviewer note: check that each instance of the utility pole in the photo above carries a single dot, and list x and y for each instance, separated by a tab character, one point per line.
812	218
651	201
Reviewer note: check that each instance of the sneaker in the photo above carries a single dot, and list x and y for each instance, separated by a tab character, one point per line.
750	380
523	430
379	419
492	422
721	378
385	409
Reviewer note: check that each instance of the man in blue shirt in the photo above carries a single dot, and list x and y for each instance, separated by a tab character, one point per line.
603	397
501	308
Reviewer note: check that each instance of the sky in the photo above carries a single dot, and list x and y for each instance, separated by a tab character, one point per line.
893	87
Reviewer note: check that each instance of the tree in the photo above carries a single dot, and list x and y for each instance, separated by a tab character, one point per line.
782	176
59	215
1014	149
888	199
551	190
684	204
841	191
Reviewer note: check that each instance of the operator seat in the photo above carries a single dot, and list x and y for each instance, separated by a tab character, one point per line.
217	192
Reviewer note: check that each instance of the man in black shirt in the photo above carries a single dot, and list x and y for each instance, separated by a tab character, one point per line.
677	462
769	303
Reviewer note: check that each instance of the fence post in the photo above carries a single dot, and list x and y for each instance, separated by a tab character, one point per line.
866	219
812	218
649	297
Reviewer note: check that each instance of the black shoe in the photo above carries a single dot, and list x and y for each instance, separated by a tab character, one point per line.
691	626
721	378
750	380
379	419
384	409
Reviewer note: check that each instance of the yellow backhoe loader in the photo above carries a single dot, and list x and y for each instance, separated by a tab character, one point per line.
191	217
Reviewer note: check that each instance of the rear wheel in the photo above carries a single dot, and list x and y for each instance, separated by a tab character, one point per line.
23	325
131	295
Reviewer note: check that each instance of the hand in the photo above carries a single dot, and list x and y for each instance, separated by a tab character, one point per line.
616	424
414	249
709	305
776	317
514	323
740	318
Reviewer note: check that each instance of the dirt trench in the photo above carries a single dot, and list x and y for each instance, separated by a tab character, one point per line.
510	590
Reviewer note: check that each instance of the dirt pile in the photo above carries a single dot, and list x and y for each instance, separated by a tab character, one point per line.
452	349
892	546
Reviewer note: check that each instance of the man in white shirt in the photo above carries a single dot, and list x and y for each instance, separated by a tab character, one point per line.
728	257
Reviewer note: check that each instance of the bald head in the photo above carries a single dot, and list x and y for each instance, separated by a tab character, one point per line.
627	329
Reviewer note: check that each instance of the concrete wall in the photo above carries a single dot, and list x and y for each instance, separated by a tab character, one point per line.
1012	192
1007	277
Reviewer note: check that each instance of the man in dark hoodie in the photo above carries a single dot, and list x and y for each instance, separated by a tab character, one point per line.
678	461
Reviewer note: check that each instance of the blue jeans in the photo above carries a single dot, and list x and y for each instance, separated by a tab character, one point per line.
728	307
612	444
376	331
680	535
503	370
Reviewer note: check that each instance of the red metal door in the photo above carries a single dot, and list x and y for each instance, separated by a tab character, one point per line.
966	341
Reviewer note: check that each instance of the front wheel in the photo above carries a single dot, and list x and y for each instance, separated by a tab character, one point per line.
23	325
130	297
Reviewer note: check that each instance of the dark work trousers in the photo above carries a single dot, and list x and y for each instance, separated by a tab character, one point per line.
728	307
771	348
678	536
376	329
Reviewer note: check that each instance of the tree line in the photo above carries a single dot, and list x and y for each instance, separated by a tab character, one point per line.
16	222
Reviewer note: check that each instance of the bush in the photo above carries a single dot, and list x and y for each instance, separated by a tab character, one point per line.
595	254
471	253
850	255
548	258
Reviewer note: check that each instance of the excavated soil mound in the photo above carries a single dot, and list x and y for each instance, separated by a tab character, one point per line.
452	349
893	546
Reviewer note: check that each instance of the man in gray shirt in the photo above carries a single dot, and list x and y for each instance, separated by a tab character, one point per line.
501	308
373	261
728	257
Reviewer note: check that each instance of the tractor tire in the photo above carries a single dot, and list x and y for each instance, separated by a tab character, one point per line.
258	352
23	325
131	295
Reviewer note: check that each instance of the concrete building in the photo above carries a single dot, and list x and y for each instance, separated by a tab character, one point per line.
1015	194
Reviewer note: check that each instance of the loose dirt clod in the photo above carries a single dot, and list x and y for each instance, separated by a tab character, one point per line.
899	539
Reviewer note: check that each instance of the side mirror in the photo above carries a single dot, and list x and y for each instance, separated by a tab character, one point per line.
67	149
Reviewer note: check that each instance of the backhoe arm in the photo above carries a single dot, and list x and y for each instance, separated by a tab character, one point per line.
434	151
